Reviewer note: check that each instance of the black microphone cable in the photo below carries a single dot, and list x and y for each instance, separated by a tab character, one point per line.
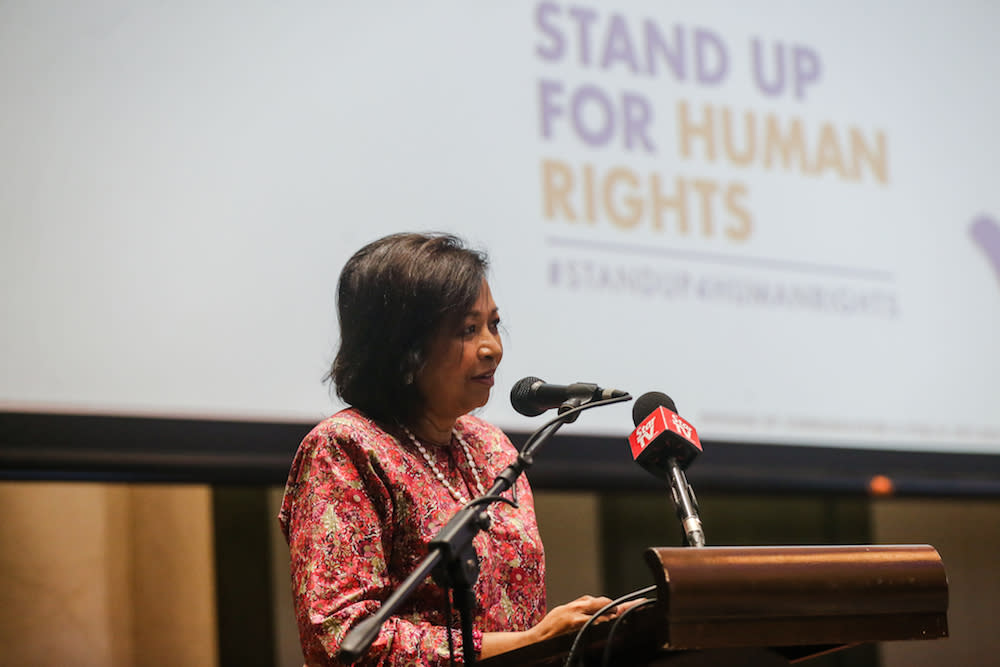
575	648
606	658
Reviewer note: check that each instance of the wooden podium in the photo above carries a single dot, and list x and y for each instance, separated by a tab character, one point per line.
765	606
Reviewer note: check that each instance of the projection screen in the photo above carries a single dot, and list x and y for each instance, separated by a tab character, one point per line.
784	215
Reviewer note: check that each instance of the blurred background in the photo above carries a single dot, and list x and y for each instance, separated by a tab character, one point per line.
783	215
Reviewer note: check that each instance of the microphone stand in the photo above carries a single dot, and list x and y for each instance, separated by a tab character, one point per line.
452	558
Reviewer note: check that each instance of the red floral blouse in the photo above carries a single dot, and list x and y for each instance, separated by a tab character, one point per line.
360	507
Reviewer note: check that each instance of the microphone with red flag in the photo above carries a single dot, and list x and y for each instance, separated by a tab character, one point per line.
665	445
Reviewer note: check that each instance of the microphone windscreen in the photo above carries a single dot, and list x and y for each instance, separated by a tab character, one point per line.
520	397
645	404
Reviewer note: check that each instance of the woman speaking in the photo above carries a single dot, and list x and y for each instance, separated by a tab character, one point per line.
371	486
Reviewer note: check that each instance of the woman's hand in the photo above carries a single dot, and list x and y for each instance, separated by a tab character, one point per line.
560	620
570	616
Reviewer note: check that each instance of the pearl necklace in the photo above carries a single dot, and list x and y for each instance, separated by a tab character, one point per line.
460	498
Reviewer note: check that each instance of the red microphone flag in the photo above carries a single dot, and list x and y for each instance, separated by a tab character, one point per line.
662	421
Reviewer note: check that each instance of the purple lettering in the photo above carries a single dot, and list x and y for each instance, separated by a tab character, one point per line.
618	45
584	18
710	57
806	67
674	56
605	116
550	109
557	46
803	65
638	114
777	85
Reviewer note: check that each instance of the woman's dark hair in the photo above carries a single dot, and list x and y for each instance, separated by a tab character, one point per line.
394	295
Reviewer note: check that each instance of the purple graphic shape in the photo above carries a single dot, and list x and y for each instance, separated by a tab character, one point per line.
986	233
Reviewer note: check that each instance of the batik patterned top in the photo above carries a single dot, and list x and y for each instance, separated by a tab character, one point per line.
361	506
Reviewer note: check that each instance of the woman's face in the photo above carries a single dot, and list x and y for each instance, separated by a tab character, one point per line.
458	374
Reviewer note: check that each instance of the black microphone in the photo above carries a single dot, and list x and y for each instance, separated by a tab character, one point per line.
665	444
532	396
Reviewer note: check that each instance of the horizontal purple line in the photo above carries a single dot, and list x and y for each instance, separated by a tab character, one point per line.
755	262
